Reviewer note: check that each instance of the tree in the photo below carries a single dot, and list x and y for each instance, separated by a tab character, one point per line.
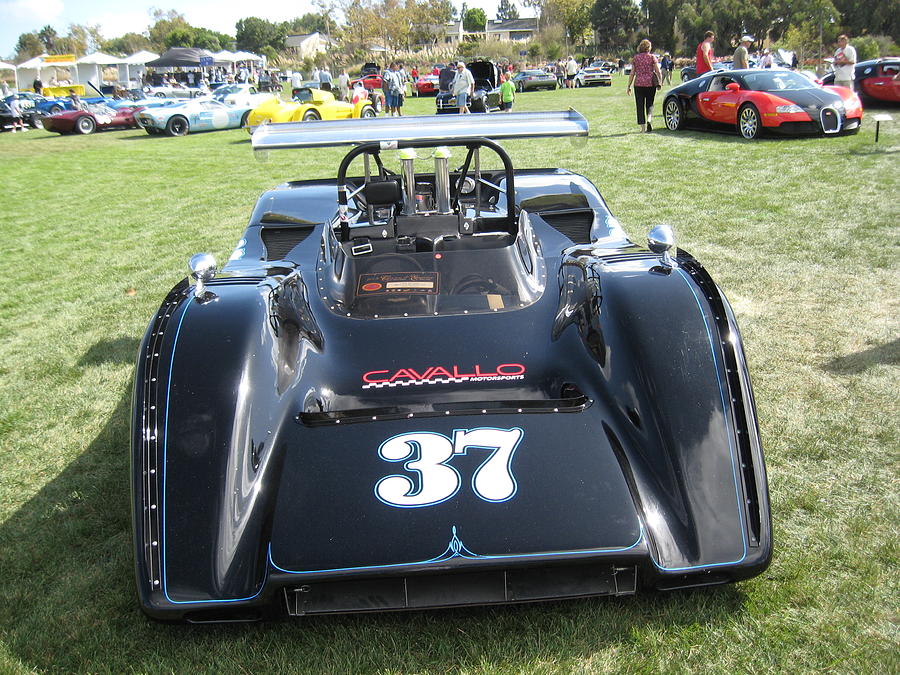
126	44
506	9
48	36
474	20
574	15
310	23
252	34
28	45
163	24
614	21
180	37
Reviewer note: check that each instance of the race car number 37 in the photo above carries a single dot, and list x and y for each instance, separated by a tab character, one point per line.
431	479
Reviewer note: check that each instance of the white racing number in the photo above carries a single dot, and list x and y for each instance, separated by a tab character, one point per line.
426	455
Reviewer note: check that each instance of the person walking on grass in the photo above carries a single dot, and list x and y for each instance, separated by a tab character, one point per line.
844	63
705	53
644	68
740	60
15	110
463	87
507	94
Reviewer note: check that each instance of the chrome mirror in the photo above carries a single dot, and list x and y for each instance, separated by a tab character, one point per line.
660	241
203	269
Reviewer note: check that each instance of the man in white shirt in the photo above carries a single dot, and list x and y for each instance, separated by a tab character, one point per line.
571	71
462	87
844	63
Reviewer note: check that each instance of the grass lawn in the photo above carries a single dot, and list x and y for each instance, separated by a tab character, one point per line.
802	235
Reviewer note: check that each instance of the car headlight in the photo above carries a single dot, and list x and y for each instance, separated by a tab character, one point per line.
838	105
793	108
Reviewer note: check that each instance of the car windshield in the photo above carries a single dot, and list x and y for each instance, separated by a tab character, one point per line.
222	92
534	72
777	81
100	109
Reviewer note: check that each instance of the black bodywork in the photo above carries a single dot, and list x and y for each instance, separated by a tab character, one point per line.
276	411
812	100
485	98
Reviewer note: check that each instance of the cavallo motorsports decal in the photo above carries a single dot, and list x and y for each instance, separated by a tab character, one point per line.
405	377
431	480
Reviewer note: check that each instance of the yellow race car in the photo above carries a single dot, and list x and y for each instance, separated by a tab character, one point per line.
308	104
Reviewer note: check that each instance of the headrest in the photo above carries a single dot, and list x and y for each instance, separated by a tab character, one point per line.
383	193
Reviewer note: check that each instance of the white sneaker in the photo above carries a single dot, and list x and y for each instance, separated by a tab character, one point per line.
14	131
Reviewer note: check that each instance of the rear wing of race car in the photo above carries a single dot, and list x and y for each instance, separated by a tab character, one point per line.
389	131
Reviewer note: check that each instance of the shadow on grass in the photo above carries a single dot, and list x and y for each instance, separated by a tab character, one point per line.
857	362
69	603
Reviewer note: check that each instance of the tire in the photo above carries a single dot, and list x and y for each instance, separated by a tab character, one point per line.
85	125
311	115
685	77
37	121
244	119
520	88
368	112
56	109
578	85
749	123
159	94
673	114
177	126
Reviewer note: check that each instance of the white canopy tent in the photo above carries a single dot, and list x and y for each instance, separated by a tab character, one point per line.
247	56
226	56
35	67
94	62
136	61
9	66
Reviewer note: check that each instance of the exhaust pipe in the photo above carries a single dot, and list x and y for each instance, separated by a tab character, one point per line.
442	178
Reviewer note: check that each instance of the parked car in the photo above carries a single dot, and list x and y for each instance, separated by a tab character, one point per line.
241	95
590	77
756	101
527	80
690	72
93	117
30	115
477	356
427	85
308	105
177	90
486	96
199	115
875	80
371	81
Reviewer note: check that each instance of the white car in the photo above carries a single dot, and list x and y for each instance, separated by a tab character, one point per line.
241	95
177	90
588	77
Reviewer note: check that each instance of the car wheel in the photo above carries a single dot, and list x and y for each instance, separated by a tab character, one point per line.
37	121
56	109
520	88
85	125
673	114
177	126
685	77
159	94
311	115
368	112
578	84
244	119
748	121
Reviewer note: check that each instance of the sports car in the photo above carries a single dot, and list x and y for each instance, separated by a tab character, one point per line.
427	85
199	115
30	115
176	90
241	95
422	384
485	97
690	72
758	101
875	80
527	80
308	104
94	117
371	81
589	77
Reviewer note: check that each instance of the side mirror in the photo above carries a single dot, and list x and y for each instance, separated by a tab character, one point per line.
733	86
660	241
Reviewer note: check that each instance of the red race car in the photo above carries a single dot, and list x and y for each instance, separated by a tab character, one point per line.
94	116
875	80
427	85
371	81
756	101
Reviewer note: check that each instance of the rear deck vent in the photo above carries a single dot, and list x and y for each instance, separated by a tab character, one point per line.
280	240
576	225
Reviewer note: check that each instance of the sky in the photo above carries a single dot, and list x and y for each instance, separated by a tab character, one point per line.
116	17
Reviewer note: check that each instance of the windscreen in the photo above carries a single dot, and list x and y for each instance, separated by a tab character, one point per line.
778	80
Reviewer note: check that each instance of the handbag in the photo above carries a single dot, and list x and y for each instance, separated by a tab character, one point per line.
655	81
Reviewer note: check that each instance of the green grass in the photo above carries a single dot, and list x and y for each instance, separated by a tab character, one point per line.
802	235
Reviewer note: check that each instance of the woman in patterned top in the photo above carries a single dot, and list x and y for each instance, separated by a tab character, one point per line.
643	68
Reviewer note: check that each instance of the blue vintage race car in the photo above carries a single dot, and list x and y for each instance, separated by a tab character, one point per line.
416	387
199	115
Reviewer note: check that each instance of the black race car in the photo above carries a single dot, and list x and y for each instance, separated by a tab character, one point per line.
425	386
755	101
486	96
